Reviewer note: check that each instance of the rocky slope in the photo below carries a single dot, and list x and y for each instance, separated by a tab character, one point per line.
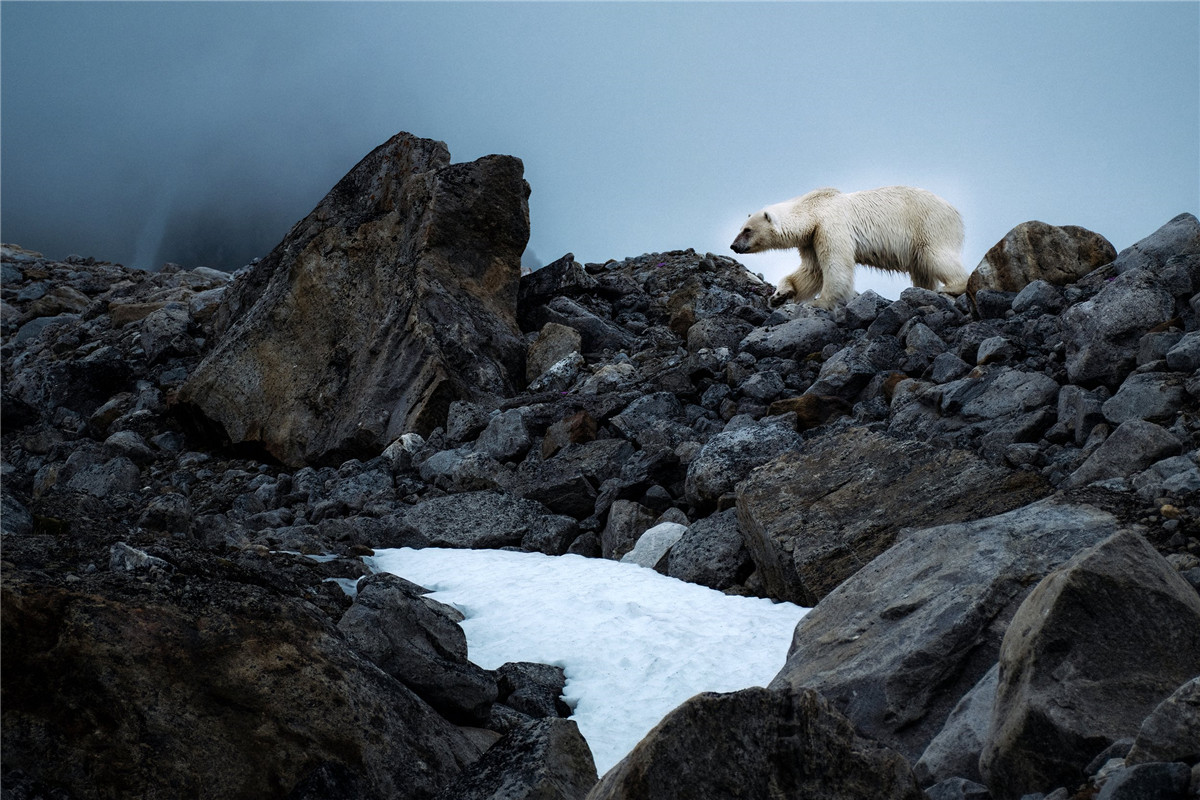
992	502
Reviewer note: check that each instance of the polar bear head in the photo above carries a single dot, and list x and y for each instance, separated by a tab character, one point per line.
761	232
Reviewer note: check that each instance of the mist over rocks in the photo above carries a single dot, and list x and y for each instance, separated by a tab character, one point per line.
195	464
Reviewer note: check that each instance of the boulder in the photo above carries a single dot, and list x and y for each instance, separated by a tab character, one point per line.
1102	334
1089	654
544	759
1156	781
554	343
1132	447
955	750
653	544
533	689
711	553
393	298
419	643
506	437
567	483
489	519
1035	251
1154	396
1178	238
627	521
793	339
897	645
117	688
812	518
758	744
729	457
1172	730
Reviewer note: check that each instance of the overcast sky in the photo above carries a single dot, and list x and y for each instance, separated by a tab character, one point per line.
199	133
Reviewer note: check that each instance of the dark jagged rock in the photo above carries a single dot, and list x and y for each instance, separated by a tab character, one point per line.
393	298
758	743
1093	649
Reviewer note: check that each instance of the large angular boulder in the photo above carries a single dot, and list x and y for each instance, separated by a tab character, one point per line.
1036	251
813	518
1172	731
124	687
758	744
1092	650
897	645
1179	238
489	519
393	298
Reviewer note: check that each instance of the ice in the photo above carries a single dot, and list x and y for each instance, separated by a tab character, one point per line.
634	644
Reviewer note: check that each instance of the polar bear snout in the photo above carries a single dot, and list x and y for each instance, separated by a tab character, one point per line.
742	244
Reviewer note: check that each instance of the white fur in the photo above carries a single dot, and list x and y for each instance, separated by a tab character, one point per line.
896	228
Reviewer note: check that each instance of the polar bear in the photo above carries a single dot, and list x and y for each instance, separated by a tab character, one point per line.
895	228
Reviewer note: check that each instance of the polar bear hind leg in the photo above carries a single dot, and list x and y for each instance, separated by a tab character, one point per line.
941	267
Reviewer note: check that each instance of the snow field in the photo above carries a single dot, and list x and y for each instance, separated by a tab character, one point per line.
634	644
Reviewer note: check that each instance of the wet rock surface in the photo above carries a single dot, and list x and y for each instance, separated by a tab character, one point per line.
192	544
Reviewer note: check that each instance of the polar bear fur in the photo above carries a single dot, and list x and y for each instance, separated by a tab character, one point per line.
895	228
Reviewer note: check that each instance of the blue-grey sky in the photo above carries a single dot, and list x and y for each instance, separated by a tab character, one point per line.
200	132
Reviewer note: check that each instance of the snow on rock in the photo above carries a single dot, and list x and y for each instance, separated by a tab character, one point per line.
634	643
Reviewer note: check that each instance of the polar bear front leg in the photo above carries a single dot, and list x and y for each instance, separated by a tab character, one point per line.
801	285
836	259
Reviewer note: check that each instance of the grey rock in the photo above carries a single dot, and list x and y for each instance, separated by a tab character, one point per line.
1089	654
814	517
415	640
560	376
123	558
1180	236
714	333
627	521
654	543
610	378
34	327
489	519
711	553
863	309
533	689
762	386
1132	447
15	519
545	759
164	333
729	457
1154	396
899	643
506	437
1102	333
1079	410
401	454
1039	297
554	343
567	483
463	470
1173	476
1184	356
848	371
114	476
465	421
957	789
995	350
130	444
758	744
418	258
1148	782
948	367
171	513
955	751
1036	251
597	334
794	339
563	277
1171	732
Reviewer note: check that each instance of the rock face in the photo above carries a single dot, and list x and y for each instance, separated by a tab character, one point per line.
1035	251
119	687
1094	648
815	517
895	647
393	298
758	743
